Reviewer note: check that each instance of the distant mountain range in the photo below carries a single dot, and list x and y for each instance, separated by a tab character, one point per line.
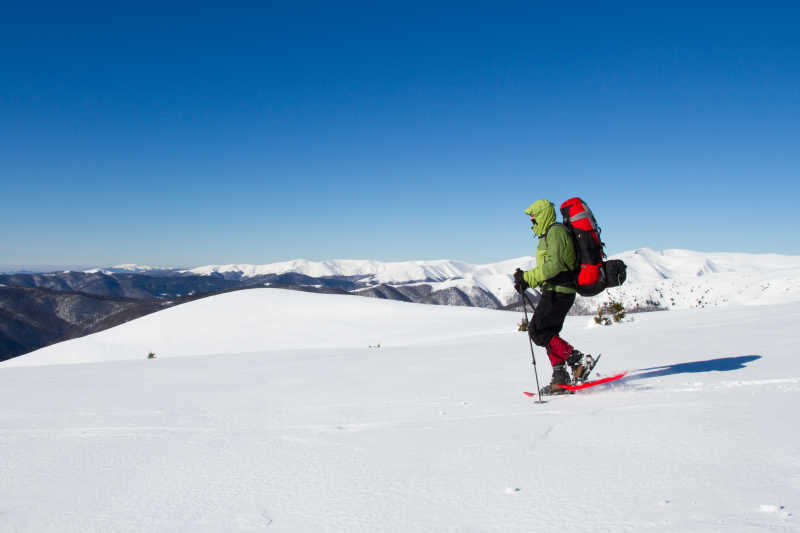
40	309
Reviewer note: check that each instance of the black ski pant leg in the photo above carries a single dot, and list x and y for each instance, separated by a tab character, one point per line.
548	317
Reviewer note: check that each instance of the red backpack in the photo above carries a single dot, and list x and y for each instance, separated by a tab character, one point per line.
594	274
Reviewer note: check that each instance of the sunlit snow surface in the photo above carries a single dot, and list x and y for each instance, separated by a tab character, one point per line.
270	410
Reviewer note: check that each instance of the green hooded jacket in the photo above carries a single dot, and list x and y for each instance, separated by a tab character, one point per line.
555	252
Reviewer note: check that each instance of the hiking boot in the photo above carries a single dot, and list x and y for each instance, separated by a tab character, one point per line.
581	365
560	377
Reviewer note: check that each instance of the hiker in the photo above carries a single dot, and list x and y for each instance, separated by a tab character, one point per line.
556	264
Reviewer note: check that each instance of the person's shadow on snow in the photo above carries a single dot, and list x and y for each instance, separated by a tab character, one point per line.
723	364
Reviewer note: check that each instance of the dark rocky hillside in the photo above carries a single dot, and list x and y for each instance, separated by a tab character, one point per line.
122	285
169	285
426	294
33	317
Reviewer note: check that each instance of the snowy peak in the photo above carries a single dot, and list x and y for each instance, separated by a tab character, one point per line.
679	279
129	268
645	264
463	282
369	272
662	279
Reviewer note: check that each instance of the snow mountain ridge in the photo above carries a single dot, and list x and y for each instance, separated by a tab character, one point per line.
667	279
664	279
650	265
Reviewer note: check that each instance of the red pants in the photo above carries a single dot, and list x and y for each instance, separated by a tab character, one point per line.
546	324
558	350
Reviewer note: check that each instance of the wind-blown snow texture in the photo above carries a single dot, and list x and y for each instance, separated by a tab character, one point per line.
315	428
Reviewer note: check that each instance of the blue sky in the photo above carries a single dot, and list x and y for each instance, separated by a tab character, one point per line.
191	135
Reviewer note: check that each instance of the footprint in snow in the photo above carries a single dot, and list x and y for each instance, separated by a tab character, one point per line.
780	510
253	521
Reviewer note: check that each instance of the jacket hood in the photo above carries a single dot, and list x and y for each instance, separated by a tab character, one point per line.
545	213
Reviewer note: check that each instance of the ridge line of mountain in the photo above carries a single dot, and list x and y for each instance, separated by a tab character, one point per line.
656	280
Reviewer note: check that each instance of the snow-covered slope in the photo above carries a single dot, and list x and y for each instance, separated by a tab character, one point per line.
262	319
318	431
680	279
646	265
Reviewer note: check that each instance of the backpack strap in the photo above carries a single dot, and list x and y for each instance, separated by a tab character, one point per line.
565	278
551	227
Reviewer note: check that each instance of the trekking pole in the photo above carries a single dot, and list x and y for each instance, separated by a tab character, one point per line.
524	297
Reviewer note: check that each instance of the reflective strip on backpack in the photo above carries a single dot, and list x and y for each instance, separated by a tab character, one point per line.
579	216
587	213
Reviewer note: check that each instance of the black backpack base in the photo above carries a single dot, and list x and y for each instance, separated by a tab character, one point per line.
612	274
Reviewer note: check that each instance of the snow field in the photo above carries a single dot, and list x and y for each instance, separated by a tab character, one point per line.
264	320
429	432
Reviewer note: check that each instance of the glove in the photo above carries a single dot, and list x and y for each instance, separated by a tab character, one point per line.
519	281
